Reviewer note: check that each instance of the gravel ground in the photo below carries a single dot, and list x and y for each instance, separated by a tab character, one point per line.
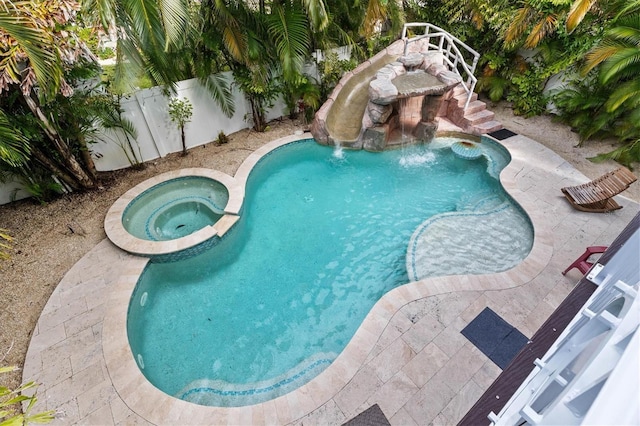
50	238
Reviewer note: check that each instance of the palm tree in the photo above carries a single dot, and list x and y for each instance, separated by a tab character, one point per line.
539	20
147	32
34	30
23	25
607	100
618	58
261	44
580	8
619	55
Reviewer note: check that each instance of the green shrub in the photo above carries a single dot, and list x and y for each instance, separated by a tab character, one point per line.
222	138
13	397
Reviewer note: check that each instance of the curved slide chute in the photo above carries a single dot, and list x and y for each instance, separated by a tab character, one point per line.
340	118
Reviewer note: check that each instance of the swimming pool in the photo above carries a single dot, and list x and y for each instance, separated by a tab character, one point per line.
262	312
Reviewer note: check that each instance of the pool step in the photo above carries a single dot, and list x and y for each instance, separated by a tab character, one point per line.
476	119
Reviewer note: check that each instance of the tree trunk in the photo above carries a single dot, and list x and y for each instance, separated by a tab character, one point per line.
89	165
88	162
53	168
184	144
73	167
258	118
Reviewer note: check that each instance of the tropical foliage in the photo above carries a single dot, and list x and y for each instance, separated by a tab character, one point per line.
523	44
607	102
36	51
47	127
146	31
11	397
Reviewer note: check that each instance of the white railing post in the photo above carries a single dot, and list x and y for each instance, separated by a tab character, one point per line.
453	44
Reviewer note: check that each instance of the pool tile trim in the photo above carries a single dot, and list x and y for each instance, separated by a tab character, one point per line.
144	399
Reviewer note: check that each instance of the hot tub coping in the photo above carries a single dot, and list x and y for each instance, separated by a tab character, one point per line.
119	236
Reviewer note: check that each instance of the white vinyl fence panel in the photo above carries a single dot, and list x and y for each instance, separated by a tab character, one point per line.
157	135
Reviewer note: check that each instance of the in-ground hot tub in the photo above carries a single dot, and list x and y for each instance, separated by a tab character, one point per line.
172	212
175	208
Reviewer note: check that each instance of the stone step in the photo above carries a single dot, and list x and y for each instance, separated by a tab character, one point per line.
462	98
479	117
487	127
474	106
458	90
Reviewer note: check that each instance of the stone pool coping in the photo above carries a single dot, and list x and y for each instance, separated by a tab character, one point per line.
157	407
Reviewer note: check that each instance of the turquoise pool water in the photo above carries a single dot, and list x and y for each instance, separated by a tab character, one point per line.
320	240
175	208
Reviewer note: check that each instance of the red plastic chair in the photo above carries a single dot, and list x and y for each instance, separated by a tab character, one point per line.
582	263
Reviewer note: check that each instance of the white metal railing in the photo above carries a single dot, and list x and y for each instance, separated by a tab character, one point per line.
589	375
451	48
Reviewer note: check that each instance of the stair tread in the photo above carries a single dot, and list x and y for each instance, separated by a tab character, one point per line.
459	89
479	114
462	99
476	103
474	106
488	126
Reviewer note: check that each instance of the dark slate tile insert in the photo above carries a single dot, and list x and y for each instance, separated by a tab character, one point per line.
502	134
372	416
495	337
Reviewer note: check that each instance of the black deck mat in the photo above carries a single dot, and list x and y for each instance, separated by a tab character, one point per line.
495	337
372	416
502	134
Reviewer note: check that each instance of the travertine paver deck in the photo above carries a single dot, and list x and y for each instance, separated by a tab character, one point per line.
408	357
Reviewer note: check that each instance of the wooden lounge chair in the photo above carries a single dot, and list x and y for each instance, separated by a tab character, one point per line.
597	195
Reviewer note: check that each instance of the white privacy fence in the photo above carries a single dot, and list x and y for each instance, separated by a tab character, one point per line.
157	134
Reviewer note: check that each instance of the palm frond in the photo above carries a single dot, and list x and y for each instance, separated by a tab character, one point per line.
519	25
102	11
174	15
220	90
376	13
626	7
129	64
36	43
626	30
626	154
288	29
146	23
619	63
317	12
628	91
598	55
578	10
541	30
14	147
227	20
